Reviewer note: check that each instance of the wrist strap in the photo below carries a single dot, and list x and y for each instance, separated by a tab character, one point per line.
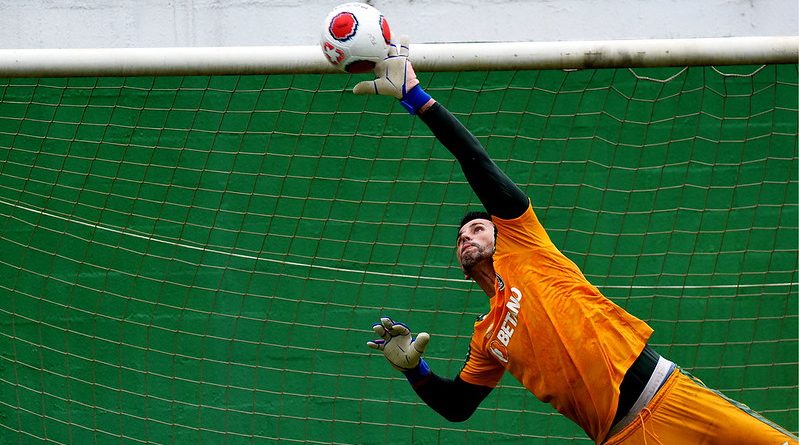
419	373
414	99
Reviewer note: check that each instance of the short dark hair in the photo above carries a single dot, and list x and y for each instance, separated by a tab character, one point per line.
471	216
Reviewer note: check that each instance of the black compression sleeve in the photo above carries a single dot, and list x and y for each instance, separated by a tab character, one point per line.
455	400
499	195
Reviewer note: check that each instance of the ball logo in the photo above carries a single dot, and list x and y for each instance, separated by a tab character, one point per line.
333	54
386	30
343	26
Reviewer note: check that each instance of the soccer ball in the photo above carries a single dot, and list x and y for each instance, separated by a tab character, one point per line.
355	37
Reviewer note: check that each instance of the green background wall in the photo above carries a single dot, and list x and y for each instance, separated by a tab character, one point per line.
200	259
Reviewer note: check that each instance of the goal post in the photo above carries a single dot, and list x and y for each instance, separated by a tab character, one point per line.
194	243
427	57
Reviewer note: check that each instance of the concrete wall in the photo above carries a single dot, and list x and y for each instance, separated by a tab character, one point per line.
158	23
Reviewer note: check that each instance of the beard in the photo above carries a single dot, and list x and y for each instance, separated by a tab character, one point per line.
474	256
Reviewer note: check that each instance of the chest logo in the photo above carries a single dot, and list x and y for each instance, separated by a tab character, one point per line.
499	350
499	346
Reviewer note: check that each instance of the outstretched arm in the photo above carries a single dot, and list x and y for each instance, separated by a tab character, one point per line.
455	399
499	195
395	77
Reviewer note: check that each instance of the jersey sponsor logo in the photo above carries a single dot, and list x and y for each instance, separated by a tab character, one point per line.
499	347
508	326
499	350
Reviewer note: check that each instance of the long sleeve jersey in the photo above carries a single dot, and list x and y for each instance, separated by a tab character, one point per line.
548	326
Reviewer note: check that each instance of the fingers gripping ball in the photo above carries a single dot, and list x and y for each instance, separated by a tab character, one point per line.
395	77
398	346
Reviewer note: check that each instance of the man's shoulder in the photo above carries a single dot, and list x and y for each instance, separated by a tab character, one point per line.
526	216
521	233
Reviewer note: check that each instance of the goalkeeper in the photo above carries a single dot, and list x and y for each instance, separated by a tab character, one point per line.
547	325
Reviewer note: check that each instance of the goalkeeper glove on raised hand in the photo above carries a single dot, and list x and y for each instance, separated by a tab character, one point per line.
401	349
395	77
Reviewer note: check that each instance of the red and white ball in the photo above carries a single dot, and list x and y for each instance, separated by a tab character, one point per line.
355	37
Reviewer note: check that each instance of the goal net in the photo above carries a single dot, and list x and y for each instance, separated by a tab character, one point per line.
201	258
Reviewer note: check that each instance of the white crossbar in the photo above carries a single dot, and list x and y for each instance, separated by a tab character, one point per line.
426	57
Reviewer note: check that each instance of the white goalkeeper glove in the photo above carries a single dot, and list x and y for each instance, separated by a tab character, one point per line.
398	346
396	78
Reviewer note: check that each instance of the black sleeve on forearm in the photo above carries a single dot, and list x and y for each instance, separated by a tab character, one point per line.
455	400
499	195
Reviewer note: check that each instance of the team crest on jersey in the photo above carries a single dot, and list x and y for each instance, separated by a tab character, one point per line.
343	26
501	283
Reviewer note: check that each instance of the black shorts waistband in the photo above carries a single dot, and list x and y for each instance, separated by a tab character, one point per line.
635	380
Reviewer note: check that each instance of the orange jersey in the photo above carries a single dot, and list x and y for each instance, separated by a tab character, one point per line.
552	330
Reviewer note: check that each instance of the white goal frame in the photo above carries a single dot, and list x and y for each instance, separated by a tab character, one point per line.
426	57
